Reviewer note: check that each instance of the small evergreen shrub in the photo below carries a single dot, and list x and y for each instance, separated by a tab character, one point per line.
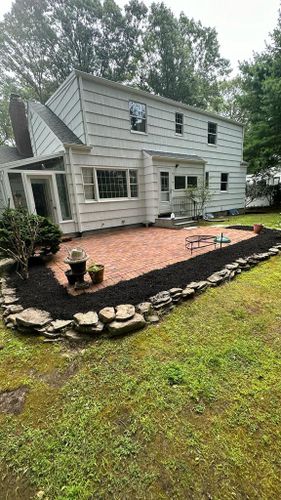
22	235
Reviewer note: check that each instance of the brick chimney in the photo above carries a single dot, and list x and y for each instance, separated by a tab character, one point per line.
20	126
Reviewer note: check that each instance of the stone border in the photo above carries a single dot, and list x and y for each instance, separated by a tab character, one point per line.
119	320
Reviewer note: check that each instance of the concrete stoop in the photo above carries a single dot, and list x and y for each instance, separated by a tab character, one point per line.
177	223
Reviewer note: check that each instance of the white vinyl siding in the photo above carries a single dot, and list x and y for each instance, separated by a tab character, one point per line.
106	110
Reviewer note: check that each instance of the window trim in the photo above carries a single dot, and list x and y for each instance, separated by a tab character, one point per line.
186	182
177	123
146	121
94	184
224	182
97	198
213	134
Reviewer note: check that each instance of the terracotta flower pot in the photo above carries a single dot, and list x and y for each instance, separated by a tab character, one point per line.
97	276
257	228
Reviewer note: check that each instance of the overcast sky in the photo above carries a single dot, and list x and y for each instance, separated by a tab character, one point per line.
242	25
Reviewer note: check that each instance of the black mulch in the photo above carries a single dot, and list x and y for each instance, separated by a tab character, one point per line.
44	292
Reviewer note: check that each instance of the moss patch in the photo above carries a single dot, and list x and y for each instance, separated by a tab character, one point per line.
189	408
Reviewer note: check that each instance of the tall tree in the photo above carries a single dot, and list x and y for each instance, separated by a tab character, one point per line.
76	24
182	58
26	46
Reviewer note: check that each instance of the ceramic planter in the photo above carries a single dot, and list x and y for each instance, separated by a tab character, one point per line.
257	228
97	276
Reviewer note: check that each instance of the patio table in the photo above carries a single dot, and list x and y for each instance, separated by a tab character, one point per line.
199	241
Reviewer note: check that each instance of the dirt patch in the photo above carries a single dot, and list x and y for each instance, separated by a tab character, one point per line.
58	378
13	401
43	291
13	487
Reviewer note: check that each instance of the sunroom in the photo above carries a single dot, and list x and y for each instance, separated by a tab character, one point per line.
42	186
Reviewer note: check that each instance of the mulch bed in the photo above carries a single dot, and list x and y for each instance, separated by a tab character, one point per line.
43	291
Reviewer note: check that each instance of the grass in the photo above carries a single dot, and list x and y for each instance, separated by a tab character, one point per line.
190	408
269	219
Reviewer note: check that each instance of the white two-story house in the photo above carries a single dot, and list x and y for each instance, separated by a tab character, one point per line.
100	154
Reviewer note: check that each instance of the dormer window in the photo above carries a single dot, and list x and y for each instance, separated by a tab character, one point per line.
137	116
179	123
212	133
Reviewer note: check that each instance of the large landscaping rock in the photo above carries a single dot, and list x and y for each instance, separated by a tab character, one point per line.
125	312
59	325
188	293
88	323
33	318
131	325
86	319
144	308
107	314
216	279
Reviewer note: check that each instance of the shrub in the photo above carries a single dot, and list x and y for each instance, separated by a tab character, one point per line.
23	234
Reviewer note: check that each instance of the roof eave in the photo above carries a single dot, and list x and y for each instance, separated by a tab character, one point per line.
134	90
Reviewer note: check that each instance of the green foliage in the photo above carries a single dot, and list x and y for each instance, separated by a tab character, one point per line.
23	234
201	194
103	421
49	236
182	58
42	42
174	374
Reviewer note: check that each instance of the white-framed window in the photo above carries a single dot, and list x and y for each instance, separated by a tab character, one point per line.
89	183
17	189
180	181
137	112
110	183
191	181
207	179
134	187
224	182
212	132
179	123
185	181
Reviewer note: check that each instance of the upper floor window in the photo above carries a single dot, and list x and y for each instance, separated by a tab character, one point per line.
224	182
137	116
212	133
179	123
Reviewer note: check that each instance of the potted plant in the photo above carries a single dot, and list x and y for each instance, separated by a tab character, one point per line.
257	228
96	272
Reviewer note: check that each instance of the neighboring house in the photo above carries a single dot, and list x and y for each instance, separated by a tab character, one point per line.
272	178
100	154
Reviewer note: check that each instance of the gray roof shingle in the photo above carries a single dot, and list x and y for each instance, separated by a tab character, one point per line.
9	154
173	155
64	134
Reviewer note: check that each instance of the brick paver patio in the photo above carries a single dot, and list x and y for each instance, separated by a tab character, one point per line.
127	253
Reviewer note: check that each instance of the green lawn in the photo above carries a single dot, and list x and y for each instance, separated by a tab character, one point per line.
269	219
188	409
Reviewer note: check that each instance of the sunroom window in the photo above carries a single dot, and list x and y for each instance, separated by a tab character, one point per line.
180	182
17	189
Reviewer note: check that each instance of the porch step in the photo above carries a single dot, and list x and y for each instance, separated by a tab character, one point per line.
177	223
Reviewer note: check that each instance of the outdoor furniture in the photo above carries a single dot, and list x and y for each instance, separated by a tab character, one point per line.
199	241
204	240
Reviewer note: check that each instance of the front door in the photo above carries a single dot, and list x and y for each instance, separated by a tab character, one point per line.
165	191
42	197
